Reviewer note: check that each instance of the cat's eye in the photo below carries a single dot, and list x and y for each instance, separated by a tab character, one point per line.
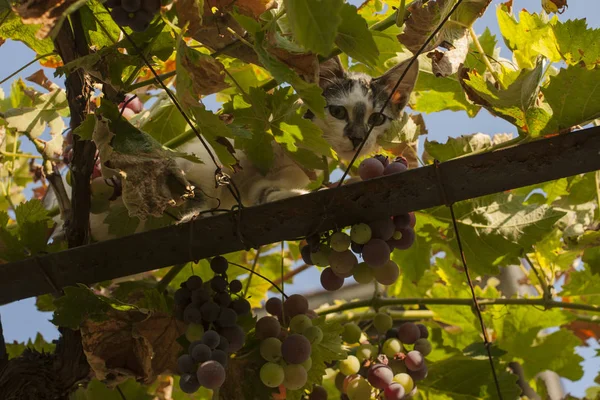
338	112
377	119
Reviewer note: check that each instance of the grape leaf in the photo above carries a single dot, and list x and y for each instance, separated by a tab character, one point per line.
458	146
120	223
578	44
99	27
474	60
50	14
433	94
573	98
46	111
96	390
86	128
164	121
13	28
40	345
584	286
354	37
314	23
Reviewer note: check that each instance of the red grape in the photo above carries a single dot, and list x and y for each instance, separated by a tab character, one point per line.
382	229
274	306
408	333
380	376
414	361
267	327
394	391
376	253
330	281
295	349
388	274
406	240
211	374
370	168
423	330
394	168
294	305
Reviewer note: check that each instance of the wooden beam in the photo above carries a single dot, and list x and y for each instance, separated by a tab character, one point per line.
463	178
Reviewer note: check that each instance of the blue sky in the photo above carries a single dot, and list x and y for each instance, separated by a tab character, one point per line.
21	320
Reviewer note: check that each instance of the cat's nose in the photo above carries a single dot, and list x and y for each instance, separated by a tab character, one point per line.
356	141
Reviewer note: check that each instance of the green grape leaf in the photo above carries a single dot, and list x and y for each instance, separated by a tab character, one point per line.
164	122
433	94
45	303
495	229
96	390
120	223
79	304
40	345
46	111
85	130
215	132
314	23
516	103
578	44
99	27
572	98
592	258
474	60
456	147
528	38
462	378
354	37
584	286
13	28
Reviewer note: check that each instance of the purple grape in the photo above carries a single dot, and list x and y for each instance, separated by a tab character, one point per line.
418	375
211	339
370	168
221	357
188	383
201	353
401	159
394	168
131	6
383	228
388	274
211	374
200	296
408	333
219	265
192	314
391	333
376	253
228	317
357	248
218	284
414	361
182	296
403	220
330	281
407	239
112	3
294	305
235	336
394	391
240	306
267	327
120	16
318	393
384	160
274	306
151	6
223	344
305	252
223	299
295	349
423	330
235	286
380	376
194	282
210	311
141	21
185	363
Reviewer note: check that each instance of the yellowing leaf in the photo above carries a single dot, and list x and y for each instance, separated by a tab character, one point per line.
47	13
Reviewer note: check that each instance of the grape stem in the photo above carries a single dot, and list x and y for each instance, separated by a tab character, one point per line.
169	276
261	276
388	302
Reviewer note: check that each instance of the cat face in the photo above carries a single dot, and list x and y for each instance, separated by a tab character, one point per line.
353	104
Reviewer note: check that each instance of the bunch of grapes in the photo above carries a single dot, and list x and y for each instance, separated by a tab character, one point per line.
211	309
136	14
386	368
130	106
287	337
373	241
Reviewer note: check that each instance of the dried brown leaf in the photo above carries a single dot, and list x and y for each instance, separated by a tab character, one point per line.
44	12
207	75
41	79
448	63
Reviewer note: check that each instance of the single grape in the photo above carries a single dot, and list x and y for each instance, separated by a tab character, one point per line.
384	160
339	242
295	376
211	339
394	391
418	375
351	333
295	349
414	360
240	306
365	352
272	375
201	353
314	334
133	103
403	238
330	281
391	347
235	336
182	296
194	282
318	393
300	323
370	168
423	346
342	263
220	356
210	311
321	257
423	330
405	380
131	6
152	6
314	241
359	389
274	306
192	314
188	383
194	332
267	327
185	364
380	376
120	16
401	159
192	345
270	349
360	233
235	286
382	228
200	296
223	344
350	365
294	305
223	299
211	374
408	333
228	317
363	274
219	265
394	168
382	322
339	382
307	364
376	253
391	333
388	274
403	220
305	252
141	21
218	284
357	248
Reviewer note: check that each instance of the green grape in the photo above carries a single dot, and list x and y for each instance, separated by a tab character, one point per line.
314	334
359	389
391	347
360	233
423	346
382	322
339	241
300	323
362	273
295	376
270	349
307	364
405	380
321	257
194	332
397	235
352	333
365	352
271	375
349	366
397	366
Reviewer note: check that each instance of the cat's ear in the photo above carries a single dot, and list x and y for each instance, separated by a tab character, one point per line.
390	78
331	70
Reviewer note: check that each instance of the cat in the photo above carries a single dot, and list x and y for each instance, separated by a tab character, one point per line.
353	100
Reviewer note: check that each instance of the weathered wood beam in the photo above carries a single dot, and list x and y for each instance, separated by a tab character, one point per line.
463	178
